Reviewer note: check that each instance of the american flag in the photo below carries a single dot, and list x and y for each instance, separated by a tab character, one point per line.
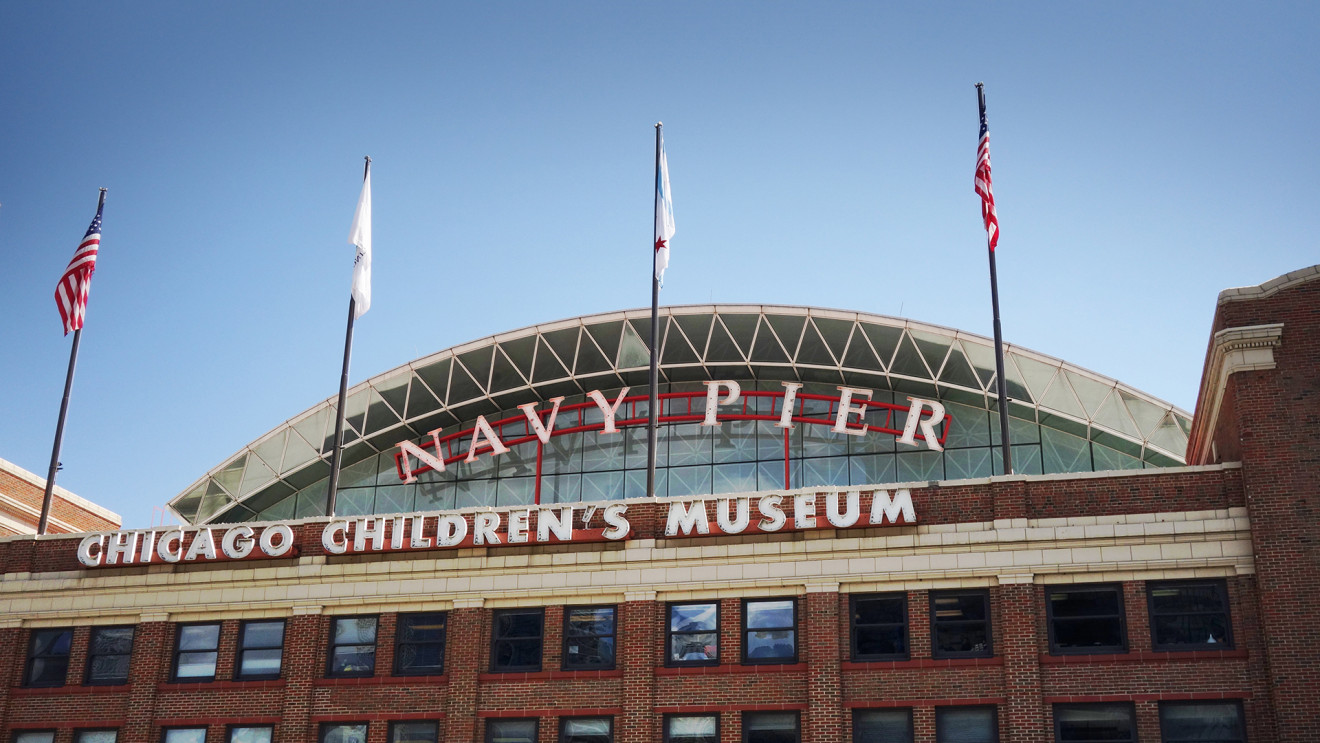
71	293
983	185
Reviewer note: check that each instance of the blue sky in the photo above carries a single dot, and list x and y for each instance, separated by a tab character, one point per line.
1146	156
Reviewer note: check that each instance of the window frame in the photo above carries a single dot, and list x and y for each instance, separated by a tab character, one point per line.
853	654
935	651
91	643
748	661
664	721
389	732
229	730
15	732
564	720
78	733
797	721
239	675
174	661
494	624
1221	586
1117	588
1129	706
165	731
399	643
326	727
670	632
32	657
536	726
330	646
614	661
994	717
1242	718
857	711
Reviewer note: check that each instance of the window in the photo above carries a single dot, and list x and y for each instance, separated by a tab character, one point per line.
34	736
692	729
419	644
960	624
48	657
195	652
769	631
183	735
966	725
414	732
260	649
516	640
879	627
352	647
586	730
353	732
882	726
1189	616
95	736
1219	722
109	652
511	731
1083	722
770	727
694	635
589	638
259	734
1086	619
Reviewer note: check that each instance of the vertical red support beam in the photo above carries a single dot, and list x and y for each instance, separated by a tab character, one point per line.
638	633
823	721
462	665
1023	717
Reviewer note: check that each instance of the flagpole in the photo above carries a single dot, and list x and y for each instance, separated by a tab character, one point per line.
655	332
333	487
48	498
1000	382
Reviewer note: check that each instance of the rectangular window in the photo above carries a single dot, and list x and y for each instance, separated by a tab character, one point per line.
769	631
1189	615
694	634
1219	722
109	652
589	638
261	649
1085	722
960	624
195	652
516	636
966	725
250	734
414	732
419	644
1086	619
511	731
352	647
879	626
183	735
48	657
882	726
586	730
692	729
352	732
34	736
95	736
771	727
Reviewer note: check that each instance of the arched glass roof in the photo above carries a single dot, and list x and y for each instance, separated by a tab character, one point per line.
759	343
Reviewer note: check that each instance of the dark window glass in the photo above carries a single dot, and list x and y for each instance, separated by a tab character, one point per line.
261	649
882	726
1085	722
352	646
770	727
95	736
184	735
1201	721
589	637
414	732
516	638
694	634
48	657
1086	619
195	652
770	631
1189	616
692	729
586	730
511	731
960	624
34	736
966	725
109	651
353	732
419	644
257	734
879	627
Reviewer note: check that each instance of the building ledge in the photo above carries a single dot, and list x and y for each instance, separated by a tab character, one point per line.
1142	657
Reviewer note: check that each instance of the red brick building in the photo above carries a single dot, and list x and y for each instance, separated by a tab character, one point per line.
1169	601
21	493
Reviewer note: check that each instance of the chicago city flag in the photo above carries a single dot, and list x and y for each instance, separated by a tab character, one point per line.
664	215
71	293
360	235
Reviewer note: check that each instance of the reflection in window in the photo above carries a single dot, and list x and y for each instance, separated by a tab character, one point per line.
770	727
1202	721
694	634
516	640
34	736
95	736
414	732
48	657
770	631
879	627
419	644
1189	616
352	646
960	624
251	734
586	730
195	652
184	735
966	725
589	638
882	726
510	731
1074	723
339	733
1086	619
691	729
261	649
109	652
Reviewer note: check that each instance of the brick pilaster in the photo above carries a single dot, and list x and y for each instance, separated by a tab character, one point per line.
1023	716
302	665
153	646
823	721
637	633
12	656
462	664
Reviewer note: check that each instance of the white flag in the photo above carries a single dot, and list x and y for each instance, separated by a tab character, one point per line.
664	215
360	235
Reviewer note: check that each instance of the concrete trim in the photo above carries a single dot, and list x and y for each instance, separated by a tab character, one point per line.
1273	286
1232	350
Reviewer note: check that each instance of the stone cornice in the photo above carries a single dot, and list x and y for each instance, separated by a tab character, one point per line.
1277	284
1232	350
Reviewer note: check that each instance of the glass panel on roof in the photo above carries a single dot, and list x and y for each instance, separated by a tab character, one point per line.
1169	436
957	370
969	426
859	354
280	511
477	362
420	400
1114	416
380	415
1035	374
966	464
395	498
884	339
231	475
915	388
1017	386
355	412
355	501
813	349
908	361
359	474
697	330
872	469
589	357
186	506
256	475
504	375
933	348
633	352
1026	460
789	330
297	453
271	450
519	351
920	466
835	332
677	349
435	496
436	377
1112	459
1059	397
563	342
722	347
547	366
1062	452
214	500
1147	416
742	326
1155	459
1089	391
983	362
1020	431
394	390
462	386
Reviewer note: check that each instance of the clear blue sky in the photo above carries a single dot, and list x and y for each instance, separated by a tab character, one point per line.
1145	156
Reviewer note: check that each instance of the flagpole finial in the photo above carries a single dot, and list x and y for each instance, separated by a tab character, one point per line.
367	158
980	85
103	189
659	124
